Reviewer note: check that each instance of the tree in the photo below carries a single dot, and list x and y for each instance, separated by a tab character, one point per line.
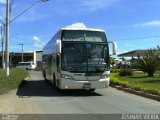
149	62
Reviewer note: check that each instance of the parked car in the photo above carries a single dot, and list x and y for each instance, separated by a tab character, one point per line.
26	65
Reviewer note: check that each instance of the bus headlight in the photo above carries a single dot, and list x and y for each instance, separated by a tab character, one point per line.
105	76
67	76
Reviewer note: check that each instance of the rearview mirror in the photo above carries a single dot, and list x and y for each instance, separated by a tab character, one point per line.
114	47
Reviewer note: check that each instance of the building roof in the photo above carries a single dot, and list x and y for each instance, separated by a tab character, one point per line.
133	53
40	51
19	54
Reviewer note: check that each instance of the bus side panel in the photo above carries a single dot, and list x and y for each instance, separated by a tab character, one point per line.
48	58
57	57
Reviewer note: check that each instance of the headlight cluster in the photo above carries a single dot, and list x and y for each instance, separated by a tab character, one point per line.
105	76
67	76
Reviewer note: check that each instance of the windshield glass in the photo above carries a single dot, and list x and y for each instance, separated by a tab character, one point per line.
83	35
85	57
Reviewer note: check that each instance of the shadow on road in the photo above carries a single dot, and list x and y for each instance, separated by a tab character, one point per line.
41	88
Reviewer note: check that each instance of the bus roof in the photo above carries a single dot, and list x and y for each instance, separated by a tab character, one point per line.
87	29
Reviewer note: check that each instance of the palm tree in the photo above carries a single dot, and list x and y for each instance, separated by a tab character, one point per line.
150	61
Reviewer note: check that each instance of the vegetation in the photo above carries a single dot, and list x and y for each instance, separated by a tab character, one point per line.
115	70
149	62
140	82
12	81
126	72
112	61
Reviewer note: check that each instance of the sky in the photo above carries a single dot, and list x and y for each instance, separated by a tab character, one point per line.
132	24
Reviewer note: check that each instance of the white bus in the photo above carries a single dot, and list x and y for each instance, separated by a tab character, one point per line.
77	59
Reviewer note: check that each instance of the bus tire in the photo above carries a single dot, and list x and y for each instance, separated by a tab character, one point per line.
44	75
92	90
54	83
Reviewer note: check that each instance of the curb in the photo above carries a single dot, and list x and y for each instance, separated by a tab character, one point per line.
140	93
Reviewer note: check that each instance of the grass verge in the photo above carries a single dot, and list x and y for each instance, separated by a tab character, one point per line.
139	82
12	81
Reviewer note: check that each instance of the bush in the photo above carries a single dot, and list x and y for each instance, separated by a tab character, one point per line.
126	72
114	70
153	91
12	81
136	87
115	81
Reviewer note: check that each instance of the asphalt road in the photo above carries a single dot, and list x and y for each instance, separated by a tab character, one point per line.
101	101
44	99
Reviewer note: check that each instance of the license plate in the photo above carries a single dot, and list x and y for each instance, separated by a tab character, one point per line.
87	85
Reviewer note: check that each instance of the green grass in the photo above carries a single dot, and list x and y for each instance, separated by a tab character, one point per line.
12	81
139	81
143	80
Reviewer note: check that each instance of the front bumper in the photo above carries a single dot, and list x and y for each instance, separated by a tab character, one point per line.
73	84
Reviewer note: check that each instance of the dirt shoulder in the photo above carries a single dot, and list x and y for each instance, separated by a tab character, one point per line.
13	104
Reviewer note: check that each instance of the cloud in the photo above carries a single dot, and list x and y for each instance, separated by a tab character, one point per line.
76	25
78	6
37	42
36	39
30	16
154	23
3	1
2	13
94	5
129	45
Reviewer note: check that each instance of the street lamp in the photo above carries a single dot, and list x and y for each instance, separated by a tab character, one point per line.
28	9
22	52
7	29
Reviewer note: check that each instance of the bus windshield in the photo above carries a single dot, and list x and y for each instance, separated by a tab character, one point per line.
83	35
83	56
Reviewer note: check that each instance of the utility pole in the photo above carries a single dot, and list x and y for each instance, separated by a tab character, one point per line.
7	30
2	41
22	52
3	37
7	37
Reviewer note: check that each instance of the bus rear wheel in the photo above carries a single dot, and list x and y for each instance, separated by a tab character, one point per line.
54	81
92	90
44	75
